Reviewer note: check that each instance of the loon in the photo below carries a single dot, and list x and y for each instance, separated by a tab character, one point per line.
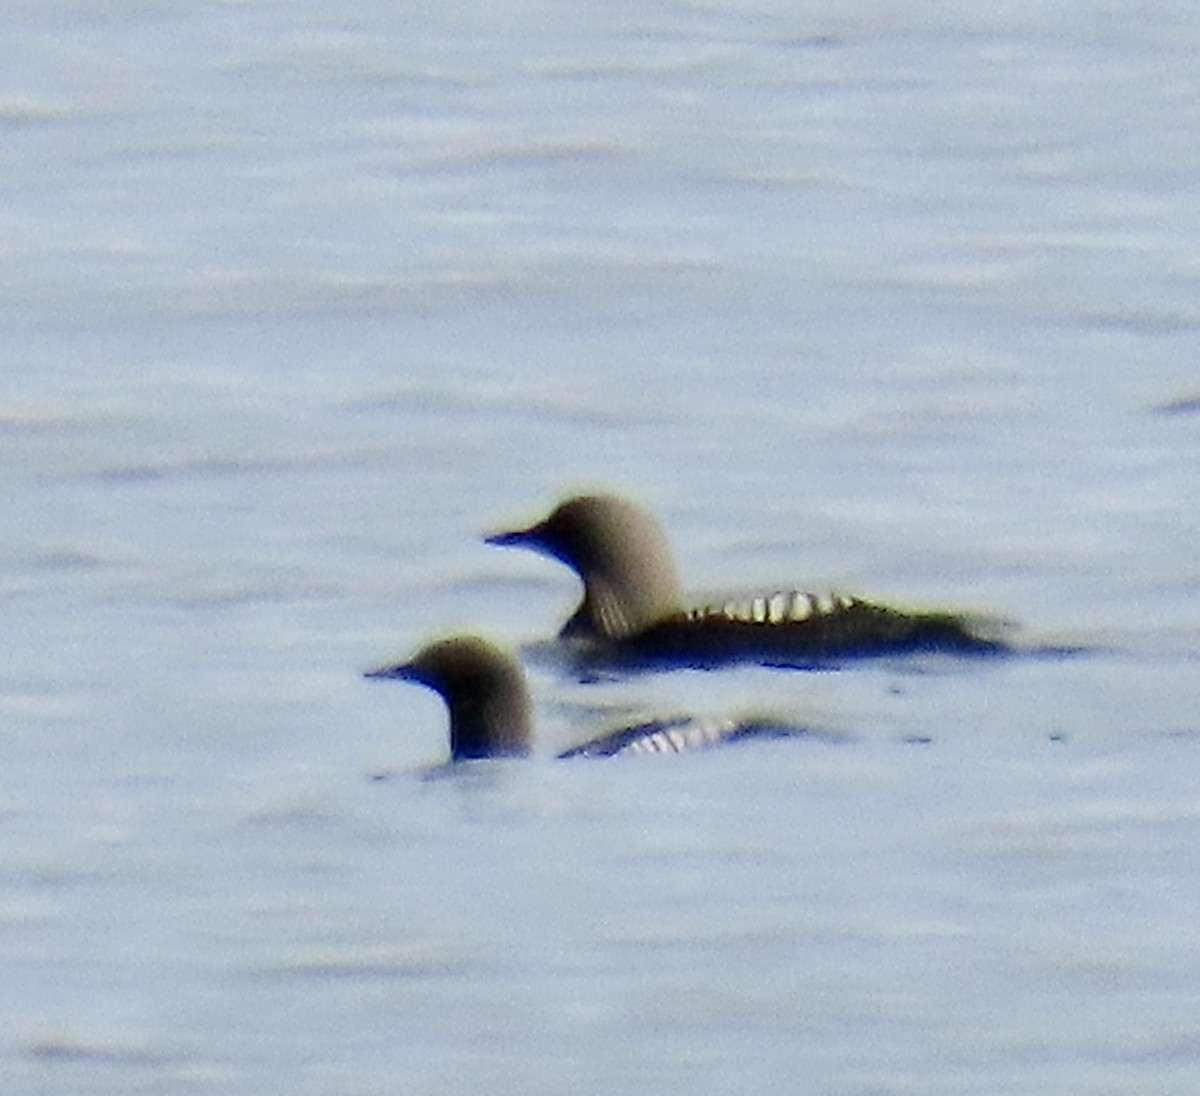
484	689
633	605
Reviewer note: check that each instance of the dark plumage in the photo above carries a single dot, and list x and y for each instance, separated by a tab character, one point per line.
633	604
485	692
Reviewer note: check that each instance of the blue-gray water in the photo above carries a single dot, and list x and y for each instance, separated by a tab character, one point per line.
299	300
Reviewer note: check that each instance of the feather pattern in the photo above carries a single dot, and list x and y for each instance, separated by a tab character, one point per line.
780	607
680	735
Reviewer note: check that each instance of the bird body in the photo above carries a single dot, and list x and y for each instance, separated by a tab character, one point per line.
485	694
633	604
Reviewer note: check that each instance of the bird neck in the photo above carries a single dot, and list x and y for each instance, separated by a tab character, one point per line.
492	722
627	592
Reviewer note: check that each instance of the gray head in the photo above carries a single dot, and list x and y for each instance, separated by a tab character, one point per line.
484	689
622	554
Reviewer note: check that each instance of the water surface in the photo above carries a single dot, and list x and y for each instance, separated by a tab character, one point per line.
298	303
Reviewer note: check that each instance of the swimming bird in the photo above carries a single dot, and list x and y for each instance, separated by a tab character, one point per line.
633	604
485	692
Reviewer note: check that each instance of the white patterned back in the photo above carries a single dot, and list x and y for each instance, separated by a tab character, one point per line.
781	607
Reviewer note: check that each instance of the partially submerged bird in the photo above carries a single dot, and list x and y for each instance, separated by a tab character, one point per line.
633	604
484	689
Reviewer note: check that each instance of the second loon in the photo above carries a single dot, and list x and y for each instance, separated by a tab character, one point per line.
485	693
633	605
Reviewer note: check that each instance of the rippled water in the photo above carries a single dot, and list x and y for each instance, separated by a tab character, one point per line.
300	301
